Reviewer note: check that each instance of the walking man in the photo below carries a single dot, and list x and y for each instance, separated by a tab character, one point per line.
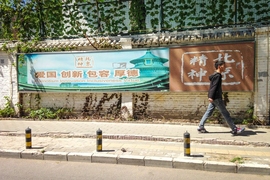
215	100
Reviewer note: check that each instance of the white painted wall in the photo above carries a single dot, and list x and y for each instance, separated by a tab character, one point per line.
8	79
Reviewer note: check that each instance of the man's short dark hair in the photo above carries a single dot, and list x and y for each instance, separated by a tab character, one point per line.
219	63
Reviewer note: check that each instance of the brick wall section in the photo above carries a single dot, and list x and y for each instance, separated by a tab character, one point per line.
262	89
158	105
188	105
80	102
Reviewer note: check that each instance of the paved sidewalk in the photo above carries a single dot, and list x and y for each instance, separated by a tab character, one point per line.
139	144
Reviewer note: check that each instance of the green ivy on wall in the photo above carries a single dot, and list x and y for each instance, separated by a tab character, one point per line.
153	12
112	16
40	19
137	15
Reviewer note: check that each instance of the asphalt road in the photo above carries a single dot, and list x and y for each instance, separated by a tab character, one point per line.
17	169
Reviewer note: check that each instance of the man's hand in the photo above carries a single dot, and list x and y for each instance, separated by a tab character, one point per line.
210	100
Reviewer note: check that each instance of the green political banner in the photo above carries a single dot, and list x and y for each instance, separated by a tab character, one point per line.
124	70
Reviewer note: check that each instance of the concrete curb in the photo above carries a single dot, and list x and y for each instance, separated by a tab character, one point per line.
10	153
166	162
262	169
186	163
56	156
80	157
32	154
220	166
104	158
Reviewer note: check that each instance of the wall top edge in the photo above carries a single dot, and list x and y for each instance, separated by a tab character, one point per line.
262	29
154	39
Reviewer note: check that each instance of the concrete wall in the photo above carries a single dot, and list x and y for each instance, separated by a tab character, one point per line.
262	69
160	105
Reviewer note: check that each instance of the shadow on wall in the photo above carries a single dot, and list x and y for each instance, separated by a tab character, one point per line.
2	63
1	72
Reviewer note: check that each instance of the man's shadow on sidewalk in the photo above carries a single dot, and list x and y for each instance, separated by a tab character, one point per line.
250	133
245	133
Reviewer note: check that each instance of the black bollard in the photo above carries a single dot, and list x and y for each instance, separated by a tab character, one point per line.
99	140
186	144
28	138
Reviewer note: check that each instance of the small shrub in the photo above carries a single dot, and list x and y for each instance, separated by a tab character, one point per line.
49	113
42	113
238	160
8	110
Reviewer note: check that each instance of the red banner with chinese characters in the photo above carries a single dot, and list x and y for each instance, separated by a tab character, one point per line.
190	67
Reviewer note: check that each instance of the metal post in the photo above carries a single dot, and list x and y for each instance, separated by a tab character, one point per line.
28	138
99	140
186	144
